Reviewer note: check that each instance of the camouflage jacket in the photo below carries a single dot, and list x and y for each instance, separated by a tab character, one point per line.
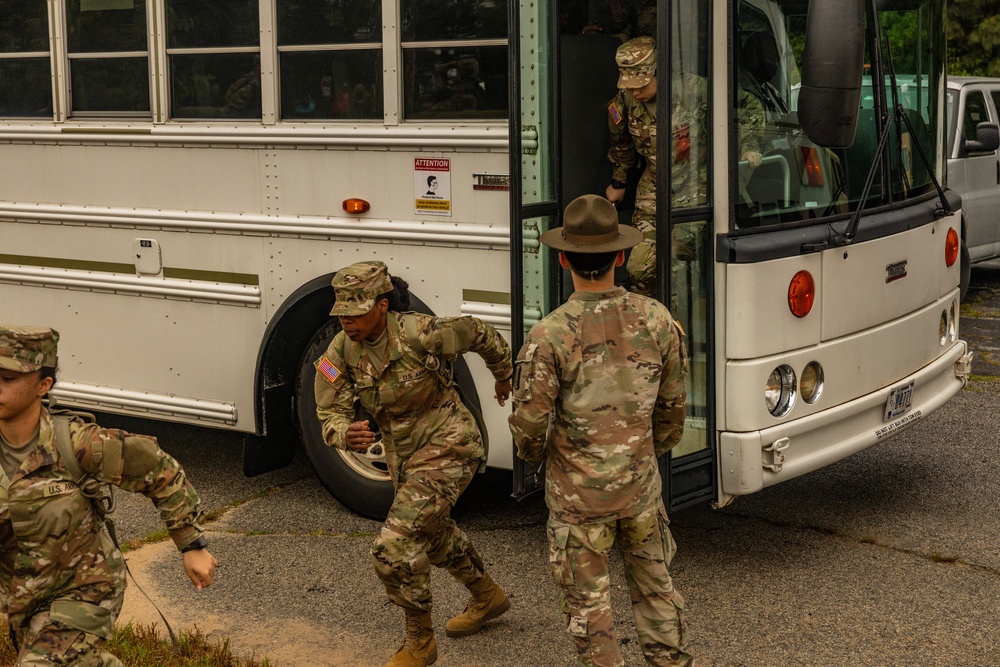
599	394
55	551
423	422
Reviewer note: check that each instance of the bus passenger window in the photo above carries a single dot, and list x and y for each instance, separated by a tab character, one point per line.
467	81
24	60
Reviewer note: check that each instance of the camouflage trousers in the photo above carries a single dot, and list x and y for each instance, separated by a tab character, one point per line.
419	532
50	643
578	558
685	241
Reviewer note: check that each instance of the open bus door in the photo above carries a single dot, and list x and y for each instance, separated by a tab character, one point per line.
561	82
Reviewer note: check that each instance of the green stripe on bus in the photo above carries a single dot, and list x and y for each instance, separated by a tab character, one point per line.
211	276
74	264
116	267
485	296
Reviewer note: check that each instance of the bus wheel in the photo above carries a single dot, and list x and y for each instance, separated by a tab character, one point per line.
359	480
965	264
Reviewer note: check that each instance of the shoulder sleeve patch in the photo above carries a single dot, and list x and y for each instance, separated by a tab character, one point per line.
325	368
615	112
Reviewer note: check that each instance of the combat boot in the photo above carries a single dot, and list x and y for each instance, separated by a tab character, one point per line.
419	648
488	601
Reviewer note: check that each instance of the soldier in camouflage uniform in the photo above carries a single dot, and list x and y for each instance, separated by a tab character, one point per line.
394	363
632	123
62	579
599	395
623	18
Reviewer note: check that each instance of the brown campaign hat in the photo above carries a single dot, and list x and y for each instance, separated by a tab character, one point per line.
358	286
27	349
636	60
590	225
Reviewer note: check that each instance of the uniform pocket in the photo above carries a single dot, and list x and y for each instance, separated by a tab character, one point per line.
524	373
84	616
559	562
669	546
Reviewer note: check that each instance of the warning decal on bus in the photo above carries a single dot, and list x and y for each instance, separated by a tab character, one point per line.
432	185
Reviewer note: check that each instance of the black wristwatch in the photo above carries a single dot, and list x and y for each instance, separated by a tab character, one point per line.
200	543
617	185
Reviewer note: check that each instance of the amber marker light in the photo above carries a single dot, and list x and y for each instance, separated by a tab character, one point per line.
951	247
356	205
801	294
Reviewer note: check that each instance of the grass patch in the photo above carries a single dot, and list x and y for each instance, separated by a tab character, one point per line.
142	646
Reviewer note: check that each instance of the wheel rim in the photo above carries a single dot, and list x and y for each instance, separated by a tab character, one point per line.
370	463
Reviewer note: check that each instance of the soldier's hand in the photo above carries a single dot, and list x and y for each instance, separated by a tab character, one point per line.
753	158
200	565
359	437
502	391
614	195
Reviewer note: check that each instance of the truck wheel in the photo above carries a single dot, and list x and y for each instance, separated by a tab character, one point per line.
359	480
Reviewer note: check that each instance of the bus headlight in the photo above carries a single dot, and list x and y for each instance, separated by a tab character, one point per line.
779	394
811	384
943	326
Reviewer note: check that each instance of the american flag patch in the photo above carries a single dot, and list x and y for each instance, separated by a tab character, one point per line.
327	370
616	115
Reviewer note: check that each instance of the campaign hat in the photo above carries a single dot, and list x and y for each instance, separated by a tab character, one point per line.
590	225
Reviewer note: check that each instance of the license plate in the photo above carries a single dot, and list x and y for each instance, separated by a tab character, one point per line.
900	400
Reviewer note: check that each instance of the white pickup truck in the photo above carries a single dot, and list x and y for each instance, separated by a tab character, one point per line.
974	165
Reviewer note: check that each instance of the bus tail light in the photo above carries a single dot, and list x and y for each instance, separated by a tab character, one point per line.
951	247
356	205
812	168
801	294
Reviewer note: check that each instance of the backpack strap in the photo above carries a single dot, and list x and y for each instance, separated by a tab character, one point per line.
64	446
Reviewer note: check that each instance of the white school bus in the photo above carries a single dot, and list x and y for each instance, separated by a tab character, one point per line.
180	179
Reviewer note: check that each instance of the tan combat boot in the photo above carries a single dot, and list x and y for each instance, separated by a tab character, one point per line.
488	601
419	648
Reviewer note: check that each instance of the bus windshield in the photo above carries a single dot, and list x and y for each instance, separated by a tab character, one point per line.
786	179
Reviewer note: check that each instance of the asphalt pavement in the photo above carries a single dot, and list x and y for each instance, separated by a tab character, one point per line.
889	557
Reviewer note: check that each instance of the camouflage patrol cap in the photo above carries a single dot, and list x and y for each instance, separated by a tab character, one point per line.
636	60
590	225
357	286
27	349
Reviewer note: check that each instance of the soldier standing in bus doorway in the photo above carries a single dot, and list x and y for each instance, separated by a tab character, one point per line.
632	123
62	577
397	364
599	395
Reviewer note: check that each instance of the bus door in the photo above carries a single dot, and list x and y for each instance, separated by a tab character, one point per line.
563	57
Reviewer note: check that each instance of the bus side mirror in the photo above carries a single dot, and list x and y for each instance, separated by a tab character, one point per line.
987	139
832	67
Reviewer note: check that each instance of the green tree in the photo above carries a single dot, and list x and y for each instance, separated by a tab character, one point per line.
974	37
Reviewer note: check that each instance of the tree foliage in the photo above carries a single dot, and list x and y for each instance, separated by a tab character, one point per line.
974	37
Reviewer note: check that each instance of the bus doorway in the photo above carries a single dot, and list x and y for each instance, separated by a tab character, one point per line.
567	76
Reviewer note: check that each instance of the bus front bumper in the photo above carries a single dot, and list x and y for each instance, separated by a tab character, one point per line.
750	461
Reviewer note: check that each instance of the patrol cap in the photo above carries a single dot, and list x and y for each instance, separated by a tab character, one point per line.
590	225
636	60
27	349
357	286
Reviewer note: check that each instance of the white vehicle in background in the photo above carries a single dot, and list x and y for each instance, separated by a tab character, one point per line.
974	164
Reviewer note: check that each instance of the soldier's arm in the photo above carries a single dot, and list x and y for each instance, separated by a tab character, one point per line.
334	389
622	151
751	123
136	463
671	400
450	337
536	388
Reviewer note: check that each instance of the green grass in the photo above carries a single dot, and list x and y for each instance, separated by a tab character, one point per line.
142	646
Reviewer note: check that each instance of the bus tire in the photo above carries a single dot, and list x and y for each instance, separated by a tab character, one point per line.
360	483
965	266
